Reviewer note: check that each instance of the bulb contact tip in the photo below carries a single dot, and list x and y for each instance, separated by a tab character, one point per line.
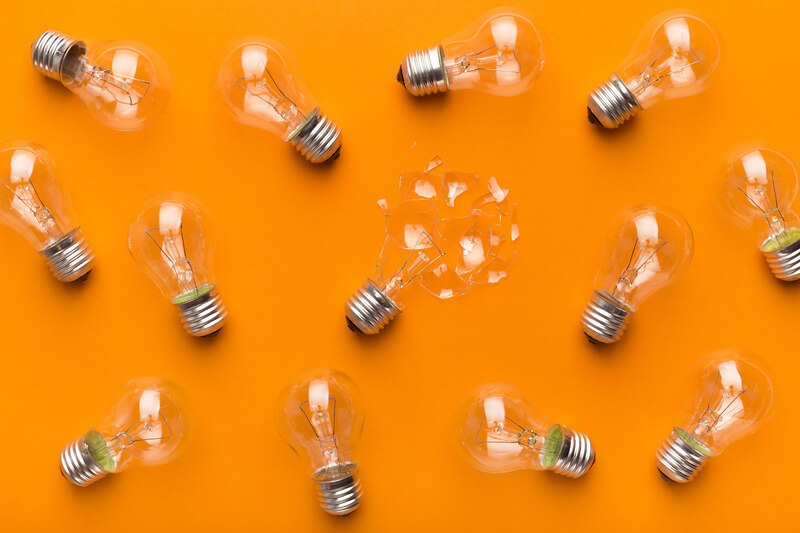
422	72
77	464
604	319
577	454
339	495
785	263
49	51
679	461
204	315
369	310
319	140
70	258
611	104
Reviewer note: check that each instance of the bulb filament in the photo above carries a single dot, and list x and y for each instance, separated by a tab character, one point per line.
642	261
30	206
509	432
715	417
758	195
494	61
678	59
124	89
415	264
173	253
323	422
267	90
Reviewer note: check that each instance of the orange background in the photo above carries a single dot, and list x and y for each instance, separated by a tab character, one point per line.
296	240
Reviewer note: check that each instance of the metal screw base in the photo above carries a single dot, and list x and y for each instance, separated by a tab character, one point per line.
49	51
678	461
422	72
78	466
369	309
612	103
319	140
204	315
70	258
577	454
785	263
342	496
604	319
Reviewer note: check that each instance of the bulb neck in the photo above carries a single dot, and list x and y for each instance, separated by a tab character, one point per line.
785	263
339	496
422	72
49	52
577	454
70	258
369	310
678	461
203	315
319	140
605	318
612	103
77	464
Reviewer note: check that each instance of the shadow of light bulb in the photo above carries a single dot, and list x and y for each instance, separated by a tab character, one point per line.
449	232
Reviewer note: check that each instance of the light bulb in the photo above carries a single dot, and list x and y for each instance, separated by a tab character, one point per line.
124	84
33	203
451	232
172	242
501	432
674	56
259	81
146	425
733	398
757	192
646	248
320	417
499	53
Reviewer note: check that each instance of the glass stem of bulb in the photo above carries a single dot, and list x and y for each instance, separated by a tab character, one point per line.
423	72
370	309
612	103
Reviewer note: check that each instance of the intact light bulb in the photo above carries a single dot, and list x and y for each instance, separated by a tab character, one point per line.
673	57
733	398
757	193
171	241
259	81
33	203
124	84
499	53
146	425
320	418
501	432
646	248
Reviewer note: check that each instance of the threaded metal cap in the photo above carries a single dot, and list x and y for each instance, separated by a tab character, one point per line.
319	140
70	258
678	461
369	309
77	464
605	318
612	103
577	454
422	72
203	315
339	495
785	263
49	51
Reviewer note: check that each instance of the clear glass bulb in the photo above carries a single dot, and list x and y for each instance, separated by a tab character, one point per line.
124	84
757	192
146	425
502	432
172	242
499	53
320	417
259	81
35	205
646	248
674	56
733	398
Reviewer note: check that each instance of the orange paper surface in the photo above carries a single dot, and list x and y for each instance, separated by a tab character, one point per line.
295	240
